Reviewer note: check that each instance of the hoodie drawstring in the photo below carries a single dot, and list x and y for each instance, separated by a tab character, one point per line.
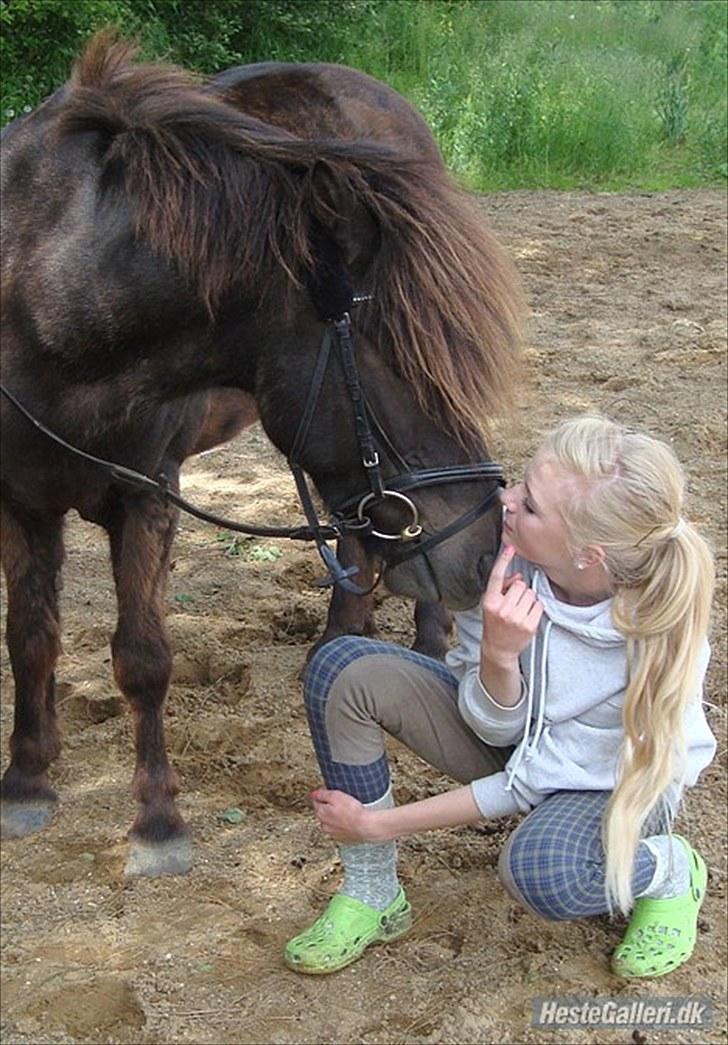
529	743
541	703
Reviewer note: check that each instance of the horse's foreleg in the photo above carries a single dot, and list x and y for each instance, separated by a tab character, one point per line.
349	614
433	624
141	536
32	555
353	614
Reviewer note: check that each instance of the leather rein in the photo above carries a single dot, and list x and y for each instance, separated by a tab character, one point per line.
351	517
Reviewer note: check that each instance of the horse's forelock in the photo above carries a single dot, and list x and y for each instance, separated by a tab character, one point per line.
104	58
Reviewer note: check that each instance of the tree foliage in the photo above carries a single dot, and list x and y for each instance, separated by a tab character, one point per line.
41	38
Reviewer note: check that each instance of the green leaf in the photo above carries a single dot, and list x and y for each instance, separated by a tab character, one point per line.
264	553
232	815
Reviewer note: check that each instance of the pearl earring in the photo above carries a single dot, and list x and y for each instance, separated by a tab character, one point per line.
581	565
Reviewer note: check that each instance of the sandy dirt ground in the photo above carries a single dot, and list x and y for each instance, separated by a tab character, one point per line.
628	316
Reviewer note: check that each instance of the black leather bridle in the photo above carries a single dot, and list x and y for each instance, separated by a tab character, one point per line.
351	517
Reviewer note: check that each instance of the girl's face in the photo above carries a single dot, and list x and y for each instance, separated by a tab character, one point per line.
532	520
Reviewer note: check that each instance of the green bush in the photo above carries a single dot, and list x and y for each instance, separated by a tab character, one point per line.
39	40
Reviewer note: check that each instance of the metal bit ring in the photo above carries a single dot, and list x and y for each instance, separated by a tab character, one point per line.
407	533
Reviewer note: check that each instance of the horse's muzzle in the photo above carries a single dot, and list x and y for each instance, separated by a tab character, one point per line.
484	566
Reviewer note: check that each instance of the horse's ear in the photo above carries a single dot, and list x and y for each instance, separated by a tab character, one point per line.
346	219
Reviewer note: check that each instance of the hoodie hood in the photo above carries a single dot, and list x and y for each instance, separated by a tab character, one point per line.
566	634
576	659
593	624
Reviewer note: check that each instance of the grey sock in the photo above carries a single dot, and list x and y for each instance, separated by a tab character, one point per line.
672	867
370	869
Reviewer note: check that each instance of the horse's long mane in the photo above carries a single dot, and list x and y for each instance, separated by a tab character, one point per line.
233	201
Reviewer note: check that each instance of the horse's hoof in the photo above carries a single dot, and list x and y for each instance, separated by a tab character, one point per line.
18	819
153	859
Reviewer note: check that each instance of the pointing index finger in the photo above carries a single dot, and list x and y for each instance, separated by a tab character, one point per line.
498	572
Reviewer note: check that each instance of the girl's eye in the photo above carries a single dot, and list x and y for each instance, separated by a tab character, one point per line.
528	506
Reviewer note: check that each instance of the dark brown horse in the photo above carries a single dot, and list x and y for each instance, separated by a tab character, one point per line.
164	237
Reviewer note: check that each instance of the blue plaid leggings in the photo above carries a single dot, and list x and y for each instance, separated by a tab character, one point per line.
355	689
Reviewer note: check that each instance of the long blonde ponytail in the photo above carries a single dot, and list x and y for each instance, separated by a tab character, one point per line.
662	573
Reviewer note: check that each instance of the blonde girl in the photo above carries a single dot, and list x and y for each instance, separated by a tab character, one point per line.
573	696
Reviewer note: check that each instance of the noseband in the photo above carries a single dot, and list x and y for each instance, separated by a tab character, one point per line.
351	517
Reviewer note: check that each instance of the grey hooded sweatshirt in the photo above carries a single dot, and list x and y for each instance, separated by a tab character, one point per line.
567	726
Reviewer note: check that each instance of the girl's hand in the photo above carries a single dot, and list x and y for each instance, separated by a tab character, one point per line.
341	817
511	613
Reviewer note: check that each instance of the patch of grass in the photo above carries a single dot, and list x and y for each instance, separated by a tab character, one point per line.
565	93
250	549
519	93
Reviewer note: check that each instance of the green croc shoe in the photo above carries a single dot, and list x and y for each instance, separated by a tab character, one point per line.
344	931
661	934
